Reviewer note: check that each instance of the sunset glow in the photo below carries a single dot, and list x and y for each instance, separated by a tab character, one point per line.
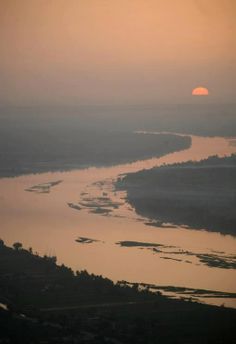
117	171
98	51
200	91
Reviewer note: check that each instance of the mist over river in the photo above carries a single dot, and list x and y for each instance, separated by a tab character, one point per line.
50	211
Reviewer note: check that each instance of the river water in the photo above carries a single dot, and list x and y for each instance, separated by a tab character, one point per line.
43	220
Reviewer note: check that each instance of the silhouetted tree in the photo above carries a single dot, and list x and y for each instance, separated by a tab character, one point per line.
17	246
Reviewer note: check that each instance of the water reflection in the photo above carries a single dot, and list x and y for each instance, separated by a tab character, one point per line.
50	224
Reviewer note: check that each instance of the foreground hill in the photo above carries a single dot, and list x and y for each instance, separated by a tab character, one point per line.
41	302
198	194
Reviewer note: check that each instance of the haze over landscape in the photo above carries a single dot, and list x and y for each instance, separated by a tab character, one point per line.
117	171
99	51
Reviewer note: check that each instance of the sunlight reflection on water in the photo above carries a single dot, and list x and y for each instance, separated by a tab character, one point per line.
45	222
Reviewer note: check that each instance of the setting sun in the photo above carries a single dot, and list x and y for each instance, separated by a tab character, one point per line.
117	171
200	91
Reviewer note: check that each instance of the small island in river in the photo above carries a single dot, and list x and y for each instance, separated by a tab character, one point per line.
200	195
43	302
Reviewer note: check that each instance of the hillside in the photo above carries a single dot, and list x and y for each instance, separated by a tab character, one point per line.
41	302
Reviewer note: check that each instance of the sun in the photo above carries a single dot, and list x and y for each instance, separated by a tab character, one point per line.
200	91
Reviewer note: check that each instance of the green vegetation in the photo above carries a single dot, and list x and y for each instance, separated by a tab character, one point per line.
200	195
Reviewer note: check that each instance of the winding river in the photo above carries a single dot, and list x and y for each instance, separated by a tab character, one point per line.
51	217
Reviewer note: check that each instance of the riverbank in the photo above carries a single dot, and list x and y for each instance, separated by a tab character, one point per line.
25	153
200	195
47	221
43	302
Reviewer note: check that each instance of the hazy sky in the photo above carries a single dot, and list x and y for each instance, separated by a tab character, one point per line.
116	51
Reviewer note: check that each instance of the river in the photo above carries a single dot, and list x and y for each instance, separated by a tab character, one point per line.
43	220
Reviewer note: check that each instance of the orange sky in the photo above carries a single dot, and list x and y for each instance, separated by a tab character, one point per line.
109	51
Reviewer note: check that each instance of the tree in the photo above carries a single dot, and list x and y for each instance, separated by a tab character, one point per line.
51	259
1	243
17	246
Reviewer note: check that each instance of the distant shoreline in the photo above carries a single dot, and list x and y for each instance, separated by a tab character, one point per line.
101	151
